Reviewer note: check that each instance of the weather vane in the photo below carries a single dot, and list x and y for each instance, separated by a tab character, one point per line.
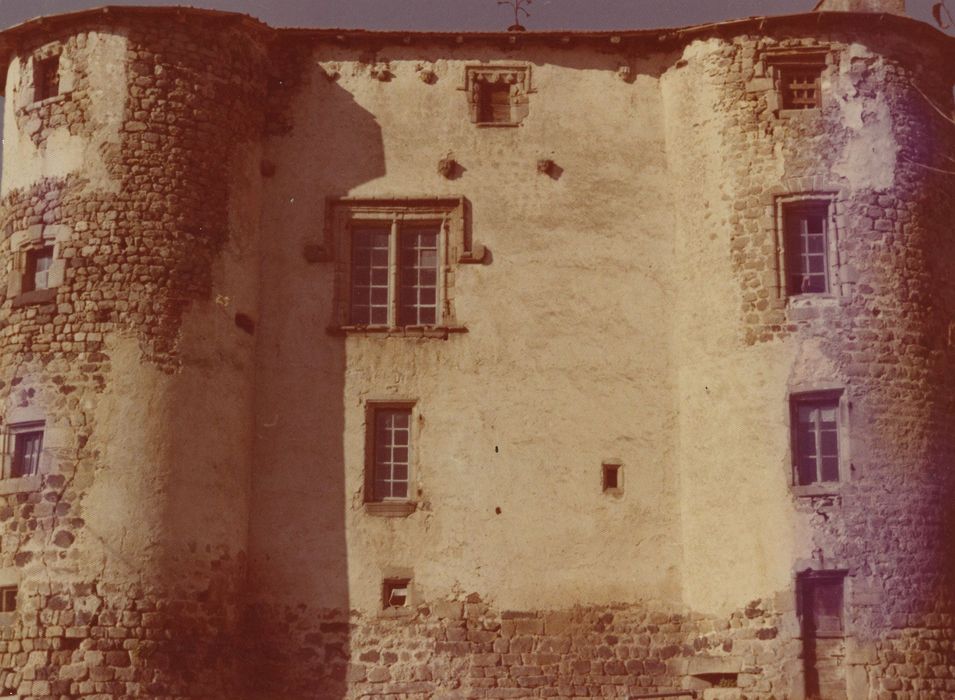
518	6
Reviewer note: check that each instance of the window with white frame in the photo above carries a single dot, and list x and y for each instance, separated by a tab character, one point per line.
806	227
816	427
394	263
24	448
391	459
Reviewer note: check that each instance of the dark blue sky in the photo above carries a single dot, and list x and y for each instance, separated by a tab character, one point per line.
461	14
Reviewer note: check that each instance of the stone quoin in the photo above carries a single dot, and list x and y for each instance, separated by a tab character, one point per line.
351	364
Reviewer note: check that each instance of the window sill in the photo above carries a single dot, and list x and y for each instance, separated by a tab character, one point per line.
799	113
20	484
441	332
40	104
825	489
391	509
820	299
36	296
493	125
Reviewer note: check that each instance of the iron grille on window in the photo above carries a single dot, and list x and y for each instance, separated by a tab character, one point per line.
816	439
807	246
46	78
392	444
394	274
801	87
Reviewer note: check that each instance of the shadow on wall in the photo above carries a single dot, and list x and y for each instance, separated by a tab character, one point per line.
299	633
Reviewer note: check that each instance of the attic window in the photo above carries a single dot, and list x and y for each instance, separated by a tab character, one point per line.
797	76
497	95
46	78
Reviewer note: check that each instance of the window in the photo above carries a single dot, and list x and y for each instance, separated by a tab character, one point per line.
815	425
821	596
395	593
797	75
497	95
801	87
46	78
8	599
612	477
494	103
36	274
394	264
806	231
26	441
392	446
394	273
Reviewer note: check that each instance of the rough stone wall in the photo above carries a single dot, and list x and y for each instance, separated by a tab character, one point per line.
883	338
110	604
466	649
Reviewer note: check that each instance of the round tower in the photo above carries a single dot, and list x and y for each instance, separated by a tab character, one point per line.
129	212
821	159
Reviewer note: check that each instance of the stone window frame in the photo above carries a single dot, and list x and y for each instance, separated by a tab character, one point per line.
818	394
783	203
22	243
518	76
392	507
778	61
27	98
398	574
455	248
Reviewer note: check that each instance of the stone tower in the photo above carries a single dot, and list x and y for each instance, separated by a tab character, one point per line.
356	364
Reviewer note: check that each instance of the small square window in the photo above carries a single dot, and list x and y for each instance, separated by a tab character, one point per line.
494	104
46	78
498	95
396	593
815	428
821	603
25	442
806	241
8	599
612	477
36	273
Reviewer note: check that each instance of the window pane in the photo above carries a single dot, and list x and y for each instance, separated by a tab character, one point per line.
418	274
369	275
392	438
830	469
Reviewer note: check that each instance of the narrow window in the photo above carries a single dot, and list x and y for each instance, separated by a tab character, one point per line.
801	87
611	477
370	275
46	78
27	446
815	420
494	105
807	247
395	592
392	445
418	272
36	274
8	599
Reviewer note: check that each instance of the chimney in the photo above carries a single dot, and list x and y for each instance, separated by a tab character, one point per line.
892	7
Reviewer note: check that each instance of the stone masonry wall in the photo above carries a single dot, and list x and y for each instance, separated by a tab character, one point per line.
885	332
139	254
466	649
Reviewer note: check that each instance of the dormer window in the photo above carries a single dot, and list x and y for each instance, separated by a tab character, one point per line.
497	95
46	78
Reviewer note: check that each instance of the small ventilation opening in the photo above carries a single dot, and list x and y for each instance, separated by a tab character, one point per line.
8	599
612	477
395	593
